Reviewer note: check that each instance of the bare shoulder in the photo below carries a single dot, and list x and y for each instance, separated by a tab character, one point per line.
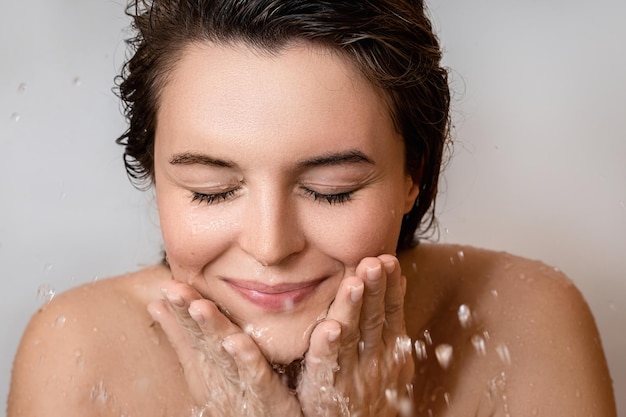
78	351
515	336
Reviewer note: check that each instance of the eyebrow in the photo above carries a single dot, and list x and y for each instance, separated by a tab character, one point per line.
352	156
193	158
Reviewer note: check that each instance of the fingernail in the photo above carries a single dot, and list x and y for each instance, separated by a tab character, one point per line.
333	334
390	267
195	314
373	273
229	346
356	292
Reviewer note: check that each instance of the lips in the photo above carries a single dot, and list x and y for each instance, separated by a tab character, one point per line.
279	297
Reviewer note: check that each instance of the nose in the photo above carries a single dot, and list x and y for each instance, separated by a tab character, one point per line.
270	231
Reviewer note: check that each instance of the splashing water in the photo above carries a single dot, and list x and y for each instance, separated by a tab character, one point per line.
45	293
480	346
402	348
503	353
443	352
465	316
420	350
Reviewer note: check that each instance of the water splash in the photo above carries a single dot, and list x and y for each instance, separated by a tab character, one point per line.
403	347
45	293
420	350
444	352
427	337
480	346
465	316
99	393
503	353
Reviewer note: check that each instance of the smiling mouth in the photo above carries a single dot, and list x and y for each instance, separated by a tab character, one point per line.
282	297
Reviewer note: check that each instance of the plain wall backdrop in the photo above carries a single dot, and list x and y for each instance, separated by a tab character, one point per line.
538	167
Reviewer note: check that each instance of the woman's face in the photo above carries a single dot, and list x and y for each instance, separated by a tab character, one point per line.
275	175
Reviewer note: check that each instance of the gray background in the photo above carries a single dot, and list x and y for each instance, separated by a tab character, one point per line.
539	164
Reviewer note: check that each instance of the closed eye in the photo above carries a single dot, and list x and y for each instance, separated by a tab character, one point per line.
212	198
338	198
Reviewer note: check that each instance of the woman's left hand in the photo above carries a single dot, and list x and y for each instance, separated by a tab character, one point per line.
360	359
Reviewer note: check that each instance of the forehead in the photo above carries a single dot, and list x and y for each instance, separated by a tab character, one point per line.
300	92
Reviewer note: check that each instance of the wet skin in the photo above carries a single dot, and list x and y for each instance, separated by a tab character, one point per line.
280	189
279	178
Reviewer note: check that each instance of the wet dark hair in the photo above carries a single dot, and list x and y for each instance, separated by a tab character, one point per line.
390	41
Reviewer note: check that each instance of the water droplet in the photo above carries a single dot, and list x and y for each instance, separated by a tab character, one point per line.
45	293
80	359
414	266
479	345
427	337
15	117
494	293
123	337
289	304
522	276
403	348
99	393
42	360
47	268
95	278
77	81
21	88
60	321
443	352
503	353
461	255
361	346
420	350
465	316
448	400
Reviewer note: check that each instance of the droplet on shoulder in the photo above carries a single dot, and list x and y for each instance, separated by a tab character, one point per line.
503	353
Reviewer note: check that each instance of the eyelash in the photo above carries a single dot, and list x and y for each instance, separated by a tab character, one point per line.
331	199
211	198
339	198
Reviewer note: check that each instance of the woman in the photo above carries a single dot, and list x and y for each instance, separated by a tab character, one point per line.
295	147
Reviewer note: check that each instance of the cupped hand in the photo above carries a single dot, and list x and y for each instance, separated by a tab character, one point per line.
360	359
226	373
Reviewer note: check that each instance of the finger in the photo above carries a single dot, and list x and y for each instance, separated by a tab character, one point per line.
373	310
346	310
263	392
180	338
318	394
394	297
212	323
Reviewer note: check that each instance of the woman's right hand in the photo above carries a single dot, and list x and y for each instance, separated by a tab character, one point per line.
226	373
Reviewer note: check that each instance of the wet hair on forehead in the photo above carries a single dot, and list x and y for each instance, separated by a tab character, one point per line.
391	42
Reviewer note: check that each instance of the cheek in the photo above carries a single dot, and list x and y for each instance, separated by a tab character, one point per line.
191	237
362	229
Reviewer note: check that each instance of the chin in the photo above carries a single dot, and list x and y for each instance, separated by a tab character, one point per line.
282	340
